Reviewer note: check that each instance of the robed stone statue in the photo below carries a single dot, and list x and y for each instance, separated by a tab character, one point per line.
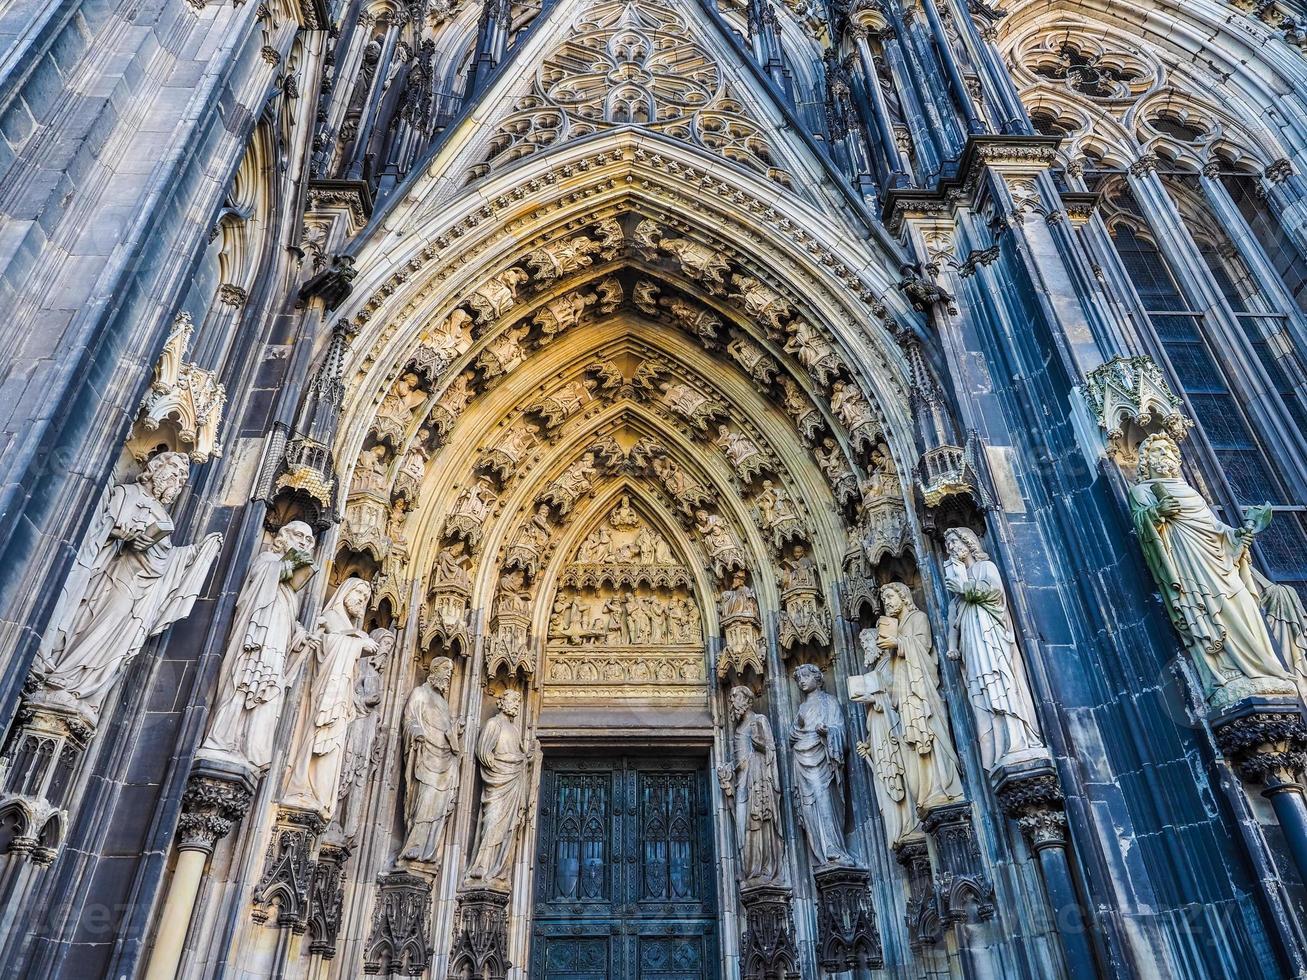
982	636
369	691
752	783
318	749
1203	570
256	667
818	745
130	582
502	761
432	749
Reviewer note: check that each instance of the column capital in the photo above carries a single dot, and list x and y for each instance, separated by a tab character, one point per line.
1030	794
216	798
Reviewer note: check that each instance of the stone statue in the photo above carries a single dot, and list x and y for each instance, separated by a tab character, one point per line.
432	747
129	583
883	750
502	759
723	549
981	635
318	749
1287	619
902	643
362	735
753	784
817	745
255	670
1203	569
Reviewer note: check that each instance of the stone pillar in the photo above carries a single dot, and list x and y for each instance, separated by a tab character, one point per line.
767	949
846	922
216	797
1265	740
1030	794
480	947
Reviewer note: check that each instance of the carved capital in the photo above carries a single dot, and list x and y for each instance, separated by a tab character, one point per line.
1278	171
1030	794
216	798
1131	400
1265	740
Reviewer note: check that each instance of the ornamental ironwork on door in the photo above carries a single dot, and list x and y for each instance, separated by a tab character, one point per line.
625	872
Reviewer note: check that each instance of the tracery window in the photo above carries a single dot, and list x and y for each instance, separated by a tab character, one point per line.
1200	360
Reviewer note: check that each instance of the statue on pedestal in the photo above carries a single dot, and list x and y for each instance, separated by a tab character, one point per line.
1203	569
318	749
362	738
752	783
503	763
818	745
432	748
255	670
981	635
129	583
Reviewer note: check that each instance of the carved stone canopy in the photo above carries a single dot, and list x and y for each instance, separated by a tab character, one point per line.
182	410
1130	400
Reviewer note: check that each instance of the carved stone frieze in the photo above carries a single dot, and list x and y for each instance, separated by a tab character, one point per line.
804	619
778	515
510	649
743	646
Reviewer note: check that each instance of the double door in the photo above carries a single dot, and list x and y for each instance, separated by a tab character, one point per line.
625	872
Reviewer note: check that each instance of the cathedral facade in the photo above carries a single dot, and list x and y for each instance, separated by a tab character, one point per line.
653	489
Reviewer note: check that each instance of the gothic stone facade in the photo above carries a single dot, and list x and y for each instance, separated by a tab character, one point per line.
653	488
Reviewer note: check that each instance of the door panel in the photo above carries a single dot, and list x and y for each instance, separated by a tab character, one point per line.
625	880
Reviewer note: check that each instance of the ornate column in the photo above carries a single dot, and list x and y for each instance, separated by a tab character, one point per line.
216	797
867	22
1030	794
1265	740
975	126
492	42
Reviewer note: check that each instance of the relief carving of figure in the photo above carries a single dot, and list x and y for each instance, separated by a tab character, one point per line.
883	480
723	550
843	483
432	748
503	761
818	746
255	669
698	261
742	629
851	408
1203	569
884	752
362	737
741	452
597	548
982	636
318	749
396	410
468	516
497	295
694	406
901	650
370	471
504	352
452	402
812	350
777	514
804	619
752	783
130	582
531	540
802	412
450	567
624	515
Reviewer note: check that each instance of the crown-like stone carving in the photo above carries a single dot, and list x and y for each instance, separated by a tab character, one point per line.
183	408
1131	400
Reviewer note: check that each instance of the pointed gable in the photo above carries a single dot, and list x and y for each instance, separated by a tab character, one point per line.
635	62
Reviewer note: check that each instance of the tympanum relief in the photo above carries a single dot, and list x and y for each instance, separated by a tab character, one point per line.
625	622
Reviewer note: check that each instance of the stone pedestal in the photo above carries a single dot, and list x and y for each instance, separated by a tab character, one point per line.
327	893
961	885
1030	794
40	764
846	922
398	943
767	948
480	947
288	870
922	917
1265	740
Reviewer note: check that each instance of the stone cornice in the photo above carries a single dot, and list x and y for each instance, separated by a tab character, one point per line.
1028	152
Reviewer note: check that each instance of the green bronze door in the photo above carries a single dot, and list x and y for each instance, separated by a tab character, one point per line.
625	873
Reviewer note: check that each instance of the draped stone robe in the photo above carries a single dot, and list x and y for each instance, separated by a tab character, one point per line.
930	761
757	795
431	752
818	763
502	762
